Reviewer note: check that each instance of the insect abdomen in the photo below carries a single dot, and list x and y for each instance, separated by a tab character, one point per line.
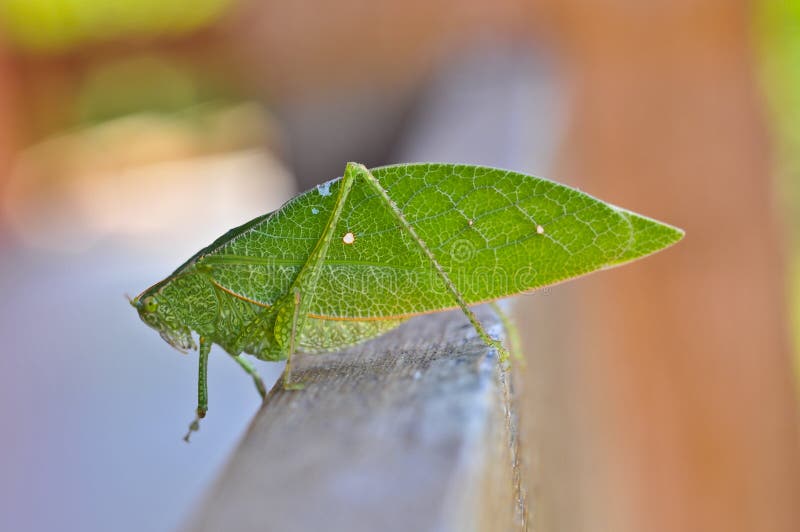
324	335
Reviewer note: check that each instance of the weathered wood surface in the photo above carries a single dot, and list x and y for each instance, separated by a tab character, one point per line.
411	431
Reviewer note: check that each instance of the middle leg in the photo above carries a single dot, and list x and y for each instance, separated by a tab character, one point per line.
251	370
292	309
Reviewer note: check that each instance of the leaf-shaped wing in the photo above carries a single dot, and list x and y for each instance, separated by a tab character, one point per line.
496	233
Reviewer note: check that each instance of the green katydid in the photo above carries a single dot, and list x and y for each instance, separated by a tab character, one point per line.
358	255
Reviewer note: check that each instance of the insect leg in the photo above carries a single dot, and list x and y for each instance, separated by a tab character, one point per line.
287	371
251	370
511	331
375	185
291	311
202	388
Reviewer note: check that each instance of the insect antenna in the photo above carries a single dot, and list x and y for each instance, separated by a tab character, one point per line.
132	300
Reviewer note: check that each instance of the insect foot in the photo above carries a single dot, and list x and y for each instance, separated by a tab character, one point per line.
262	390
194	426
288	383
502	352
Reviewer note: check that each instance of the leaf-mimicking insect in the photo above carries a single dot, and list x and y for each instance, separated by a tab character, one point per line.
358	255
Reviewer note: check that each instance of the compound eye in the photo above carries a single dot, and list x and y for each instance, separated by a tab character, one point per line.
149	304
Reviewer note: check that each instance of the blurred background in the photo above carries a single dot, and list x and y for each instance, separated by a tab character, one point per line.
661	396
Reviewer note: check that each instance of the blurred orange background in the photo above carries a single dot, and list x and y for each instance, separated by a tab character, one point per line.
660	397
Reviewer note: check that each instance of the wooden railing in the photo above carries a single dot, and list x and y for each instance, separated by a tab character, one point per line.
412	431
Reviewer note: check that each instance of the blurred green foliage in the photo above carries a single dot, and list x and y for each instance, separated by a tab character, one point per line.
56	25
152	83
778	33
778	30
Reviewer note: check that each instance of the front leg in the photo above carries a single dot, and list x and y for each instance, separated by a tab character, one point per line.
202	388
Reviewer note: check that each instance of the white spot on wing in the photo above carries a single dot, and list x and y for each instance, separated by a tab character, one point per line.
349	238
314	210
539	230
324	189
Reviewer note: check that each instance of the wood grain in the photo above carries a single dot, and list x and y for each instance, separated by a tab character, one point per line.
411	431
